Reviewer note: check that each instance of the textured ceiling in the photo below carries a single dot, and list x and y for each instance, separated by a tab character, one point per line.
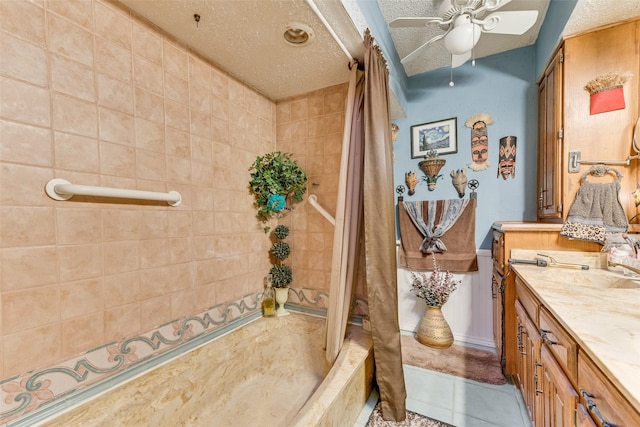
244	37
590	14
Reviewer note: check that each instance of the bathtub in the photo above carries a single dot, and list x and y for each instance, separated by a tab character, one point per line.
269	372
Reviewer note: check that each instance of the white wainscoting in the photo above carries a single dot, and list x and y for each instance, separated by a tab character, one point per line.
468	311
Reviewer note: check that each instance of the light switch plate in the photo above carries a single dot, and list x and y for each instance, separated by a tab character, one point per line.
574	161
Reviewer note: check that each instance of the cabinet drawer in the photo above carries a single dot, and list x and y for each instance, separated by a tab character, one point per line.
528	301
497	251
497	285
563	347
600	396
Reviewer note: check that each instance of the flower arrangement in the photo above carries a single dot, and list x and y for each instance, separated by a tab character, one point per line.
274	177
281	274
434	288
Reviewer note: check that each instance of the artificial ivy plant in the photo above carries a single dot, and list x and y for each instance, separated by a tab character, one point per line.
274	178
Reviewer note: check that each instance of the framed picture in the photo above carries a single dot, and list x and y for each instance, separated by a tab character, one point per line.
440	137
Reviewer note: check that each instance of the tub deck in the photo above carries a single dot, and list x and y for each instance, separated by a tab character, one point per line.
263	373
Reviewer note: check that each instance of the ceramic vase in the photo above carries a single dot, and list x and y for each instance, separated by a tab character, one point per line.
282	295
434	331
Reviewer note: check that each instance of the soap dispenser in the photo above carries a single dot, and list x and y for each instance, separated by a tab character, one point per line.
269	299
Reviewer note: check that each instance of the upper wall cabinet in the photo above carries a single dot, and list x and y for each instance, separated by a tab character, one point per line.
550	131
566	125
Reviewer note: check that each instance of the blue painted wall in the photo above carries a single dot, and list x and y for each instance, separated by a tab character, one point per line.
504	86
549	36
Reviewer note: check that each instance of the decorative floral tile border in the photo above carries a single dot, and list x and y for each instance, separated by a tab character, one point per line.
36	389
320	300
41	393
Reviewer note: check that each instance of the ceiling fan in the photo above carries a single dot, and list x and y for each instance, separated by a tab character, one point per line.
463	21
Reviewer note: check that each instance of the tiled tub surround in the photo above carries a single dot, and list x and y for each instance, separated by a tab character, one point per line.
268	372
91	93
38	393
598	307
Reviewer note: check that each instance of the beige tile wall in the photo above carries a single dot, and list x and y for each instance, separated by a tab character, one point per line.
94	95
310	126
90	94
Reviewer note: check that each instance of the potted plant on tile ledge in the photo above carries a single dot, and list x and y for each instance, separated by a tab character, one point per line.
281	273
434	289
276	181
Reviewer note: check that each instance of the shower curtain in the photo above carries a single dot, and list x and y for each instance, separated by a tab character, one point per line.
349	211
364	238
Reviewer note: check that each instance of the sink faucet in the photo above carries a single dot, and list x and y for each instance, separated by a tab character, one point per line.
628	267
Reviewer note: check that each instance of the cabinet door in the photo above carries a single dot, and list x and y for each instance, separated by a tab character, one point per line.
497	293
558	399
532	345
527	362
521	371
550	141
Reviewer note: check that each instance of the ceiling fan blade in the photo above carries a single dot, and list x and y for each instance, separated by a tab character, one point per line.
458	60
419	50
512	22
403	22
490	5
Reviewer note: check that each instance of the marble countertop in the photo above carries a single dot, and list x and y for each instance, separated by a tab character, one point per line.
598	307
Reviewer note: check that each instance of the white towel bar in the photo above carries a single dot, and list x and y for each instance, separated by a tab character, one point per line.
313	201
61	189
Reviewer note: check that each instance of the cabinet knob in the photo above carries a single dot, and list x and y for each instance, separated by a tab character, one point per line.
545	338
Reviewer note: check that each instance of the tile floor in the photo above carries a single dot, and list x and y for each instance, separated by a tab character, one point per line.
458	401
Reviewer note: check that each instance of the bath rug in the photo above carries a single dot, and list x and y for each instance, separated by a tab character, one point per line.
458	360
412	420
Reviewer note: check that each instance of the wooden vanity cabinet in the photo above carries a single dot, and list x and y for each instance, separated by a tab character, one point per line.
560	384
506	236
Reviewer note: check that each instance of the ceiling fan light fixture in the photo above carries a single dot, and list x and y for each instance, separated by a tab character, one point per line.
462	38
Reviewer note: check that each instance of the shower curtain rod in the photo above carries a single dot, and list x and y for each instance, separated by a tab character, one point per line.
326	24
61	189
313	201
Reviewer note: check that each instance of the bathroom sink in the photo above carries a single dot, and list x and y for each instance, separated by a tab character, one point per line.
604	279
620	283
